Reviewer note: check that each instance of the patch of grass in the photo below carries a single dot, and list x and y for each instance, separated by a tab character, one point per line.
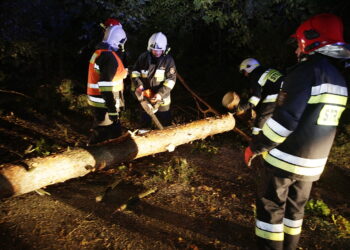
320	217
317	208
42	148
204	147
177	170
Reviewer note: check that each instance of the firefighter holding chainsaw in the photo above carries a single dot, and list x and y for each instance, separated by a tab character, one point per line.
154	77
295	142
105	85
264	86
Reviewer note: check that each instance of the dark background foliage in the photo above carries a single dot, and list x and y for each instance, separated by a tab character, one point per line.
45	42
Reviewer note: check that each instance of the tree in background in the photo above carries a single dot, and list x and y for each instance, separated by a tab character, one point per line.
43	42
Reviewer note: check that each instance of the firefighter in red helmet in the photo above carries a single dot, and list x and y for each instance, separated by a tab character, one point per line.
295	142
105	86
121	51
111	22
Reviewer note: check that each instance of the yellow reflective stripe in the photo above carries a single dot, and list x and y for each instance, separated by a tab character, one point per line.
269	235
254	100
110	86
307	171
166	101
93	57
96	104
169	83
292	230
135	74
269	133
270	98
263	78
328	98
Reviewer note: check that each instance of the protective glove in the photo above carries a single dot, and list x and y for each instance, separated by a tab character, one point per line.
156	98
248	156
139	89
139	93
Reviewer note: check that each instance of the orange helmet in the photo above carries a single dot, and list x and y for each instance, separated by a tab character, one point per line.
318	31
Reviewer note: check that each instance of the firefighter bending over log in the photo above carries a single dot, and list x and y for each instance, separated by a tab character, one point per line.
264	86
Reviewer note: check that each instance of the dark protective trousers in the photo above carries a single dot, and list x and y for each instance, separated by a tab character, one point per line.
103	128
280	210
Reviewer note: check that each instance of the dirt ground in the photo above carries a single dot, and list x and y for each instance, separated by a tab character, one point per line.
201	196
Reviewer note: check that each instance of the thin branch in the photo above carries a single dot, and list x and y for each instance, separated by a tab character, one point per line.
15	93
209	109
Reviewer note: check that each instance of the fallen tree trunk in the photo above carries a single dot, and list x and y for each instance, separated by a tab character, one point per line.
32	174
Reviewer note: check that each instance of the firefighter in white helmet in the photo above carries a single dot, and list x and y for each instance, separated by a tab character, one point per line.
264	86
295	142
105	85
154	76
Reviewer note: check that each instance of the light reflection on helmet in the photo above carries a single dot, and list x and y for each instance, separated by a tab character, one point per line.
115	36
157	41
248	65
318	31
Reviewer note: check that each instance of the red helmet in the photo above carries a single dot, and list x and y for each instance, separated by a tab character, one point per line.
111	22
318	31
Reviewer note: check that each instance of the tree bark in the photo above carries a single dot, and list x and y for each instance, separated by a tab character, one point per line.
28	175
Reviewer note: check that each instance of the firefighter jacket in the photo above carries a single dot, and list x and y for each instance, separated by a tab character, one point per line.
105	80
265	85
157	74
297	139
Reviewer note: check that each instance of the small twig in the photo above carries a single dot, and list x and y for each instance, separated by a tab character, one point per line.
100	197
15	93
135	198
41	192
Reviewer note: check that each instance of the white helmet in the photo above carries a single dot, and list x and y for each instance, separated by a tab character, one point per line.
248	65
157	41
115	36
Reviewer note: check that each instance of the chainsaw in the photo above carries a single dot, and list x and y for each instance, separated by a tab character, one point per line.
144	99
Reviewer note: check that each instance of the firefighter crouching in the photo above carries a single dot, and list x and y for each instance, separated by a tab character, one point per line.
105	86
295	142
154	76
264	86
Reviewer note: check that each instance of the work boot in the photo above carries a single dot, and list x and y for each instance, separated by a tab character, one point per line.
114	130
98	134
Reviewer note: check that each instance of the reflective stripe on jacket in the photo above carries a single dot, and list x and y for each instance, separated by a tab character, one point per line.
111	83
157	74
